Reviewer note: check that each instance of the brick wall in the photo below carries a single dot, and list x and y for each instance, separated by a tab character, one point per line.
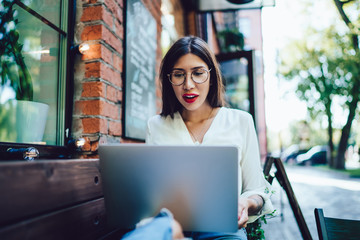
98	94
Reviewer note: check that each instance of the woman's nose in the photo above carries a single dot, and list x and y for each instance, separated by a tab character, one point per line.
188	82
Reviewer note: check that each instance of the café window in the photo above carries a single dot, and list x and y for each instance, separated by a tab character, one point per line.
34	46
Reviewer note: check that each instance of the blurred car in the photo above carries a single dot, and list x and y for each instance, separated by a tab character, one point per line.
289	154
315	155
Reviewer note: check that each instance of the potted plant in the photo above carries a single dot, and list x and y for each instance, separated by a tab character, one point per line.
22	116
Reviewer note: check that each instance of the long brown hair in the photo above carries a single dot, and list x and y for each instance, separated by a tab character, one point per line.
200	48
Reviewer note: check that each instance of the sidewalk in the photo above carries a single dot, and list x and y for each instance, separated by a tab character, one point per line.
336	193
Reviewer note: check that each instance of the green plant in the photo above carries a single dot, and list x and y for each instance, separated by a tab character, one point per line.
231	40
13	70
254	230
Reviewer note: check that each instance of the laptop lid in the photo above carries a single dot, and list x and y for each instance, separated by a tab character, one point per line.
198	184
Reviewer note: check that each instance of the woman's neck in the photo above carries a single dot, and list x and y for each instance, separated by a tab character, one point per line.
198	115
199	121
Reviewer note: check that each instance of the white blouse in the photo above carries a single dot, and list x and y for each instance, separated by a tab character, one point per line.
229	127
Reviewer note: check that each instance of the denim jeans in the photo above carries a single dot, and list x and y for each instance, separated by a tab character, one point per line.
239	235
159	228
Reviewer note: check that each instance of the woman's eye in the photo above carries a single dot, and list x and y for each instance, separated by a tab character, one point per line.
178	75
198	73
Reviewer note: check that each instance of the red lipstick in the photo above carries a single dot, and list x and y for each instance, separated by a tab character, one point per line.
190	97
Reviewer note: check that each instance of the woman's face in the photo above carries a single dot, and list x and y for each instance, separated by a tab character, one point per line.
190	94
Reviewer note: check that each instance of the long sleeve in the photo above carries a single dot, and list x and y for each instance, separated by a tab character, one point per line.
253	181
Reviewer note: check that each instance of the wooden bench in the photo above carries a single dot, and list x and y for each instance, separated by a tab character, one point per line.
63	199
52	199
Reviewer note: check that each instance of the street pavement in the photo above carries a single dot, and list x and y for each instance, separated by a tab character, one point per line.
336	193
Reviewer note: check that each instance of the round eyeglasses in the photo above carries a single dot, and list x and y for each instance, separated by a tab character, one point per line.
177	77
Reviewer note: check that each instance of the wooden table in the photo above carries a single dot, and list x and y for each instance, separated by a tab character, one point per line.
52	199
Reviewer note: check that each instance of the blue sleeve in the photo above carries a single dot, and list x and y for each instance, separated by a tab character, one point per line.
160	227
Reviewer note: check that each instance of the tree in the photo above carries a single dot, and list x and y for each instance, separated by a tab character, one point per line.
351	67
313	66
324	71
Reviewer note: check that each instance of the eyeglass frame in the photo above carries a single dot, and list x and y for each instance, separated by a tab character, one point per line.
185	75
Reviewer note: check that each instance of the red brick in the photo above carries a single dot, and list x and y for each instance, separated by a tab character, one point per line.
94	13
89	107
121	3
98	108
91	13
94	52
119	30
113	77
100	32
94	125
106	54
103	116
92	70
110	75
92	33
108	18
97	51
118	62
114	8
110	110
93	89
100	70
112	40
115	128
111	93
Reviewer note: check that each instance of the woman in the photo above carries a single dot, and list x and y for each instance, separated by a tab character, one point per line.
193	113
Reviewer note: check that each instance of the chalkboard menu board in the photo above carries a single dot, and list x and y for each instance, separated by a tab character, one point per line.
140	63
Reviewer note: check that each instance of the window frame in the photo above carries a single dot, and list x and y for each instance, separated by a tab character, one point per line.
64	89
249	55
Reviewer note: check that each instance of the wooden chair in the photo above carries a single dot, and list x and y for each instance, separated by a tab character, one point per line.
336	228
281	176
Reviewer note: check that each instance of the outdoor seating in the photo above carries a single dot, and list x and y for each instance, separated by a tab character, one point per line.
336	228
53	199
281	176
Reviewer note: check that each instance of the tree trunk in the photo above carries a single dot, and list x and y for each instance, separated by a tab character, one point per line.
345	133
331	161
340	158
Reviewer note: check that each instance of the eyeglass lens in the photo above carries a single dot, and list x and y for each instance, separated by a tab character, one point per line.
178	77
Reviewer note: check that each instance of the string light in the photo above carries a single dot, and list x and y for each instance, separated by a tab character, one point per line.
83	47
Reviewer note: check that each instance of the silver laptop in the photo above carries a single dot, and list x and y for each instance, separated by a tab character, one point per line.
198	184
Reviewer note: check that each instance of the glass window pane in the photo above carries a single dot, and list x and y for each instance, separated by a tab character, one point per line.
49	9
236	83
34	66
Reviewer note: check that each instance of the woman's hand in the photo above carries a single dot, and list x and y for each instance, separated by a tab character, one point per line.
243	216
251	205
177	232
